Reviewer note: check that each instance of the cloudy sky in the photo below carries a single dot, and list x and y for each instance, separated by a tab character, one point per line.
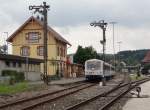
71	18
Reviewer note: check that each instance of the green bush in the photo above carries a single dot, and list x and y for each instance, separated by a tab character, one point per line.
53	77
20	76
8	72
14	75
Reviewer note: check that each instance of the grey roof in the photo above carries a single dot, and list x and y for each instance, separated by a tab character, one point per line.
9	57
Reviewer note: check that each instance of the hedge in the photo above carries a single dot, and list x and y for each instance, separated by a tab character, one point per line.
14	75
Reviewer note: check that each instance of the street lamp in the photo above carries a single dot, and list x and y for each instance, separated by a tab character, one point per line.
103	26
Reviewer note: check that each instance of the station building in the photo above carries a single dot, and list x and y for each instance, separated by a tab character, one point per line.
27	41
31	69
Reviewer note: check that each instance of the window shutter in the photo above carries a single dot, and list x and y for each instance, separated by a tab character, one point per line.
21	51
38	53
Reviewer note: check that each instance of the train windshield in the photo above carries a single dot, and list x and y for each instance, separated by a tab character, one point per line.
93	65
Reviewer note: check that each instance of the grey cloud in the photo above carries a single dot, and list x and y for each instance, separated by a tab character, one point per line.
74	12
70	15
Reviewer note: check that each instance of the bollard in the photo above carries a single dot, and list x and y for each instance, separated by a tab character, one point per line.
138	89
100	84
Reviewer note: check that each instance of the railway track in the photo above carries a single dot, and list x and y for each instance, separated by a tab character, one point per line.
116	98
109	103
29	103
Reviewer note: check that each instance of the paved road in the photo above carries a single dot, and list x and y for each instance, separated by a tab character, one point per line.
140	103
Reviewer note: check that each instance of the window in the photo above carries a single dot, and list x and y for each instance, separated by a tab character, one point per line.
61	52
40	50
33	37
7	63
19	64
14	64
64	52
57	51
25	51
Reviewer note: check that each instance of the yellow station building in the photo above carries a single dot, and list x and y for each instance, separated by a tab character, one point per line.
27	41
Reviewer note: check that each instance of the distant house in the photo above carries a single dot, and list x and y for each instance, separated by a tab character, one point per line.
74	69
29	66
70	56
146	64
146	59
27	41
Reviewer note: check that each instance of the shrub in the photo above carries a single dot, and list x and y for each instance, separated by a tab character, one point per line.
20	76
8	72
53	77
14	75
50	77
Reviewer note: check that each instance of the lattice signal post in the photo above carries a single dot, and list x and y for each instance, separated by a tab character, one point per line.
103	26
42	9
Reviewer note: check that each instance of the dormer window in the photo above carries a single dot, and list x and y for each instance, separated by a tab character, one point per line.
33	37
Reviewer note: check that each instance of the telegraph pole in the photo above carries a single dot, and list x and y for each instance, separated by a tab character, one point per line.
6	42
119	44
43	10
103	26
113	24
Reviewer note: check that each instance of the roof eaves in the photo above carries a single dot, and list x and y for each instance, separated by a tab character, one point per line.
9	39
57	36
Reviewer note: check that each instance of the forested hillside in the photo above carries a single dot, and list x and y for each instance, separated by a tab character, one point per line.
130	57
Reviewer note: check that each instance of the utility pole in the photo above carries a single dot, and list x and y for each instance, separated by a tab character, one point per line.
103	26
43	10
6	42
113	24
119	44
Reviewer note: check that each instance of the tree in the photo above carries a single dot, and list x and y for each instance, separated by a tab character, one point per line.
3	49
83	54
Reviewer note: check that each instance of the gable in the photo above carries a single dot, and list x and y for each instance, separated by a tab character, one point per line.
33	23
20	36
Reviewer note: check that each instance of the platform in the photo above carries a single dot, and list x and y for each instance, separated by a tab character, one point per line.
142	103
62	81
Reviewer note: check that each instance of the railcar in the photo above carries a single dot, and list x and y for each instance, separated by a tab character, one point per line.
95	68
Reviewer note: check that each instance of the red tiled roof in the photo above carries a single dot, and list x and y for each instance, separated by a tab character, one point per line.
147	58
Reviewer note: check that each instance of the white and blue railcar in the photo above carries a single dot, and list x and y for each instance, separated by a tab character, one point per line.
95	68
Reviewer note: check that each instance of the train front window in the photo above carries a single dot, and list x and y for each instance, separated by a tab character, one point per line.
93	65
